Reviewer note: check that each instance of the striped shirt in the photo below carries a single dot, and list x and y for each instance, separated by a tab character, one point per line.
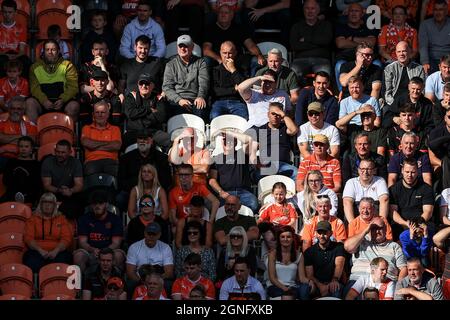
331	170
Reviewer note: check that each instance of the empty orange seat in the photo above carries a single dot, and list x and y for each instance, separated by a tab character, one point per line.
13	297
50	5
11	248
55	126
16	278
53	280
13	216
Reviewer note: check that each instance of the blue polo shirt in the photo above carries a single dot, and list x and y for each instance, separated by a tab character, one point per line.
396	164
100	232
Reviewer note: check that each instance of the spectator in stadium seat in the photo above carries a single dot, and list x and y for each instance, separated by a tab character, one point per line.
323	207
140	63
102	142
418	284
423	107
287	79
324	264
144	109
54	33
439	147
228	175
365	185
67	187
183	285
115	289
417	240
390	8
150	250
367	211
350	35
433	39
408	147
226	29
427	9
136	227
317	125
13	37
310	41
365	68
442	240
398	73
154	287
12	128
397	31
440	107
377	279
98	62
143	24
408	122
98	229
148	183
96	277
13	84
22	176
197	293
130	163
196	243
322	161
274	143
434	86
258	100
54	84
358	98
319	92
98	32
242	286
225	78
186	81
48	235
364	251
410	198
223	226
362	151
99	82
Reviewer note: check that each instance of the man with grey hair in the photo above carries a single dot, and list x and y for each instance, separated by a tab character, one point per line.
398	73
310	40
287	79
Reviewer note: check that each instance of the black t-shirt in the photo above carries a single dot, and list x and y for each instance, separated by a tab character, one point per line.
403	84
235	33
372	73
231	173
411	200
323	261
87	102
444	148
265	144
95	283
131	70
344	30
377	137
135	230
395	135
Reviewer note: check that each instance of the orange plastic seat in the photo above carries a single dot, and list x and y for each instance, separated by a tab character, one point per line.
13	216
58	297
11	248
50	17
55	126
49	5
13	297
53	280
16	278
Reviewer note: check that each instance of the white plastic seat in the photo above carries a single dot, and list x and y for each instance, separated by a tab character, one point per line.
244	210
266	46
171	50
225	122
178	123
265	187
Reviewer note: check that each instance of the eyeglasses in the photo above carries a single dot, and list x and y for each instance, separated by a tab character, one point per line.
235	236
313	114
192	233
148	204
315	181
365	54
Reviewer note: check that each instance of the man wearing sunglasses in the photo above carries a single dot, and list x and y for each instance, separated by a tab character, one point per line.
186	81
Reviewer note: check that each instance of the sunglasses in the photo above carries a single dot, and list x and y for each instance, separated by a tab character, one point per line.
318	144
146	204
322	196
366	114
113	287
313	114
192	233
182	45
144	83
235	236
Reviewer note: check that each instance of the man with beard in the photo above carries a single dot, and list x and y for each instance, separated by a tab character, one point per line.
232	219
131	162
434	86
99	229
53	83
62	175
144	110
418	284
409	198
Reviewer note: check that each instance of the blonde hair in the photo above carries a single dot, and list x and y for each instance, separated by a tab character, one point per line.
244	250
155	185
309	208
48	196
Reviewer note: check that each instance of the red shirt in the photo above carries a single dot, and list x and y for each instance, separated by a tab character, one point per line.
7	90
11	37
184	286
179	199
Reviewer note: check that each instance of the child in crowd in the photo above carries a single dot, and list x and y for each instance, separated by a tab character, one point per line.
54	33
13	84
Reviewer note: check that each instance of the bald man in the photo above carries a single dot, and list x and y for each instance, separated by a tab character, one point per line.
398	73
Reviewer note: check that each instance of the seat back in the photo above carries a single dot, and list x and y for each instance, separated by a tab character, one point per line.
11	248
58	297
13	216
171	50
55	126
244	210
265	186
225	122
53	280
13	297
16	279
178	123
50	12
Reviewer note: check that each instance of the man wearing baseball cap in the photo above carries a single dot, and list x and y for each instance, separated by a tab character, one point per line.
186	81
322	161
